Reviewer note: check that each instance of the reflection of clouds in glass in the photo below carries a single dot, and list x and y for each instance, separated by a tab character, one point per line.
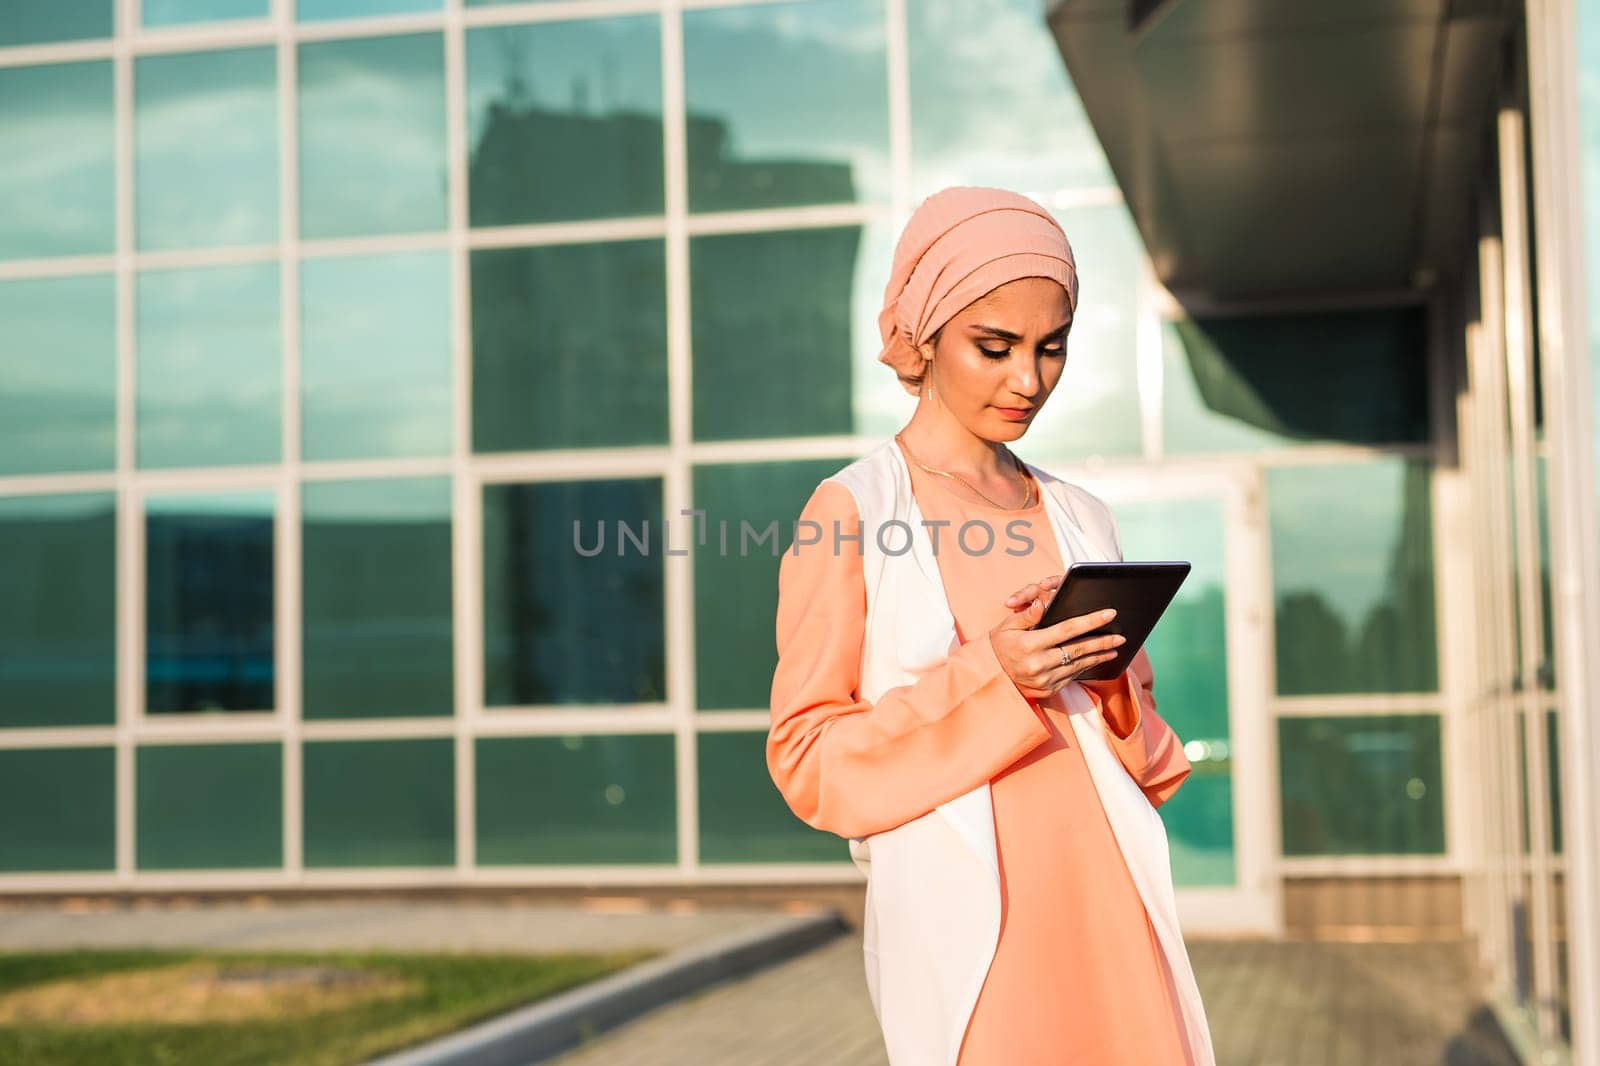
812	24
592	66
1094	409
372	136
1186	528
246	503
208	366
316	10
56	506
375	374
795	84
206	147
1589	118
882	406
58	375
1189	425
178	12
992	103
1588	76
402	500
1334	532
56	177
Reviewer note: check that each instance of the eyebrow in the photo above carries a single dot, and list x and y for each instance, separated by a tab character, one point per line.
1006	334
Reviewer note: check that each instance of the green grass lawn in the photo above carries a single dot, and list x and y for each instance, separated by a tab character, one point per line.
121	1005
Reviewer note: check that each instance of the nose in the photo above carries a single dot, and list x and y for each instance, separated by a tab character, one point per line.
1025	381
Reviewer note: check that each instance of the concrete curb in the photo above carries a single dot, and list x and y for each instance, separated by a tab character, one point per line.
541	1030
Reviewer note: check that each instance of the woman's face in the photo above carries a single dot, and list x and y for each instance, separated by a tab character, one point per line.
999	358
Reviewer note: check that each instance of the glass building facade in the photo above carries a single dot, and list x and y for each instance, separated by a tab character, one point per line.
324	327
333	331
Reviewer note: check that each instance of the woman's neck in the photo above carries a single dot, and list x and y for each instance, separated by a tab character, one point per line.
941	442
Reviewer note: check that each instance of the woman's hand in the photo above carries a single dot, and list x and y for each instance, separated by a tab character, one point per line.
1032	658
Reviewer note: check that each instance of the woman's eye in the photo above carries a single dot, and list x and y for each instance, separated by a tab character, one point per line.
1001	353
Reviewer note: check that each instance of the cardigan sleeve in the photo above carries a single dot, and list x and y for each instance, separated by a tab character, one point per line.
853	767
1147	746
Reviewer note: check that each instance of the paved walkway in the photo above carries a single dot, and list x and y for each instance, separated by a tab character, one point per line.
597	925
810	1010
1270	1004
1292	1003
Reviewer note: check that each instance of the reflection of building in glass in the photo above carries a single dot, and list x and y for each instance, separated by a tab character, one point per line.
562	628
534	163
537	164
209	609
374	646
716	171
1323	646
557	327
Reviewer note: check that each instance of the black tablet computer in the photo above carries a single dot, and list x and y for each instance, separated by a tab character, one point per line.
1139	591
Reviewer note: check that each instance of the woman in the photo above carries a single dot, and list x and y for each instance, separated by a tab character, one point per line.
1019	895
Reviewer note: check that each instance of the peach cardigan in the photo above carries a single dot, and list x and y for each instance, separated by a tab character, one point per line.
939	869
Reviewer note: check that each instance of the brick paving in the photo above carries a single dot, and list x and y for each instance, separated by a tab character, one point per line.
1284	1003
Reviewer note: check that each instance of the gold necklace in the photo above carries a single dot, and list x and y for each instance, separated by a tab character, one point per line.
1028	481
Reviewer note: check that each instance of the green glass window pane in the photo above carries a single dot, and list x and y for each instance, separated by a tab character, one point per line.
580	800
1188	654
1094	410
61	809
564	121
975	108
1361	785
801	118
750	507
58	630
48	21
380	802
373	645
772	332
375	377
209	602
209	366
206	148
56	173
209	806
565	563
180	12
1352	574
1359	377
569	346
372	136
743	816
58	380
319	10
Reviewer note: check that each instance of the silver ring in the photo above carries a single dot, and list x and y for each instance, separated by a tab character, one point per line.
1066	656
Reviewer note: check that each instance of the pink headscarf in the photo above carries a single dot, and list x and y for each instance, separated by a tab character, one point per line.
959	244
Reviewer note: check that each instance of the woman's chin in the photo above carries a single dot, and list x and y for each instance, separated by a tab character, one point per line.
1009	428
